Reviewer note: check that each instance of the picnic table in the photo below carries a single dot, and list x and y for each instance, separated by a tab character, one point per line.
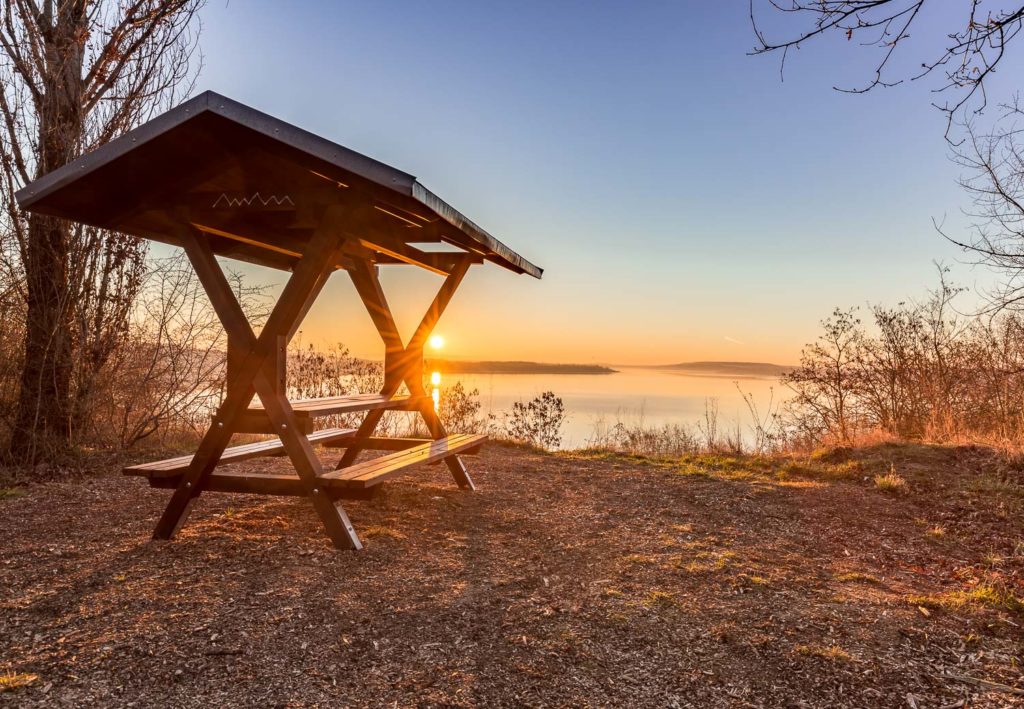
220	179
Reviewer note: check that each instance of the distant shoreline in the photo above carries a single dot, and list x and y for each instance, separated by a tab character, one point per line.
514	367
736	369
704	368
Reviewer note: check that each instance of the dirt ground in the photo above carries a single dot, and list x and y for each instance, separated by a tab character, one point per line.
566	580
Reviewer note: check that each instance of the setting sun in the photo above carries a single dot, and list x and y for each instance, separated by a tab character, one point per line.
436	342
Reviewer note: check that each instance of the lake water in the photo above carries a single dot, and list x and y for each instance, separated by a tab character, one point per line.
632	395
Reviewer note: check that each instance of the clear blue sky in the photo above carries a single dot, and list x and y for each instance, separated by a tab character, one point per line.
685	203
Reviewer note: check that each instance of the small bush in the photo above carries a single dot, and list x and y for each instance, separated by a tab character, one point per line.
538	421
459	409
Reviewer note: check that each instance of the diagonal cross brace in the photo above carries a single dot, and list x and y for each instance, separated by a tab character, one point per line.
255	374
404	362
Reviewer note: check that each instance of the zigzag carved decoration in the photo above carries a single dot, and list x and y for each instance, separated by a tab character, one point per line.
257	199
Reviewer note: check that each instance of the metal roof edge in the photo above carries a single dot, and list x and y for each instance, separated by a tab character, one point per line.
466	225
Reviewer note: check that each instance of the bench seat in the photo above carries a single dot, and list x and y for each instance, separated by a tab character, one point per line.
375	471
173	467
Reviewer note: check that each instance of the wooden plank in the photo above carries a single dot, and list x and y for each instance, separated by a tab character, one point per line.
378	444
176	466
240	481
373	472
259	423
441	447
342	404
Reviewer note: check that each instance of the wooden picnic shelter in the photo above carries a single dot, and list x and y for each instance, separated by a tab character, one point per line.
218	178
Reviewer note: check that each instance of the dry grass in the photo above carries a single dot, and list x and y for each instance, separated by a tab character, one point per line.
857	576
891	483
994	596
15	680
659	599
379	531
11	492
833	653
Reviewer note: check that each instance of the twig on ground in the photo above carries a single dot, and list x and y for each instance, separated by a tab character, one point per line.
996	686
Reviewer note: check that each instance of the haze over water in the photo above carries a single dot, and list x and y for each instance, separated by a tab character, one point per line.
632	395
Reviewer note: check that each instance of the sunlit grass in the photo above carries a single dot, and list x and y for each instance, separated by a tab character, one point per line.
891	483
707	561
380	531
833	653
981	596
659	599
852	576
16	680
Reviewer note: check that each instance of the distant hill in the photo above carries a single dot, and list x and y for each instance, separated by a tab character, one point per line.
734	369
488	367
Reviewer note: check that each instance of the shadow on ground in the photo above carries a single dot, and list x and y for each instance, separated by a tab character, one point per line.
585	579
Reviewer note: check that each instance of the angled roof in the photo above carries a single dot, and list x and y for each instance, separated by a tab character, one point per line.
255	185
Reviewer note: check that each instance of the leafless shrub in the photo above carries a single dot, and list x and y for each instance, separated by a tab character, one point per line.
917	371
459	409
708	426
537	422
315	373
168	374
665	441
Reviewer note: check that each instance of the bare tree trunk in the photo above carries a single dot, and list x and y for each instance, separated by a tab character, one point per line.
73	75
43	421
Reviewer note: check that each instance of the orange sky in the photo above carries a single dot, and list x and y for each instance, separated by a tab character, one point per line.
499	315
685	203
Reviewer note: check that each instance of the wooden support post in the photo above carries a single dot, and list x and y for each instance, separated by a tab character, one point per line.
404	362
258	373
